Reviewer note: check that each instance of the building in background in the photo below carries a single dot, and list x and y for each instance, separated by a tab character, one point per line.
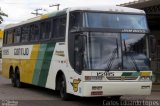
152	9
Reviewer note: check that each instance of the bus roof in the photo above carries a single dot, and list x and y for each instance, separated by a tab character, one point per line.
113	9
109	9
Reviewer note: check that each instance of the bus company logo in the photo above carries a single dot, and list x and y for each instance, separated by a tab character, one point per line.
21	51
59	53
134	30
75	84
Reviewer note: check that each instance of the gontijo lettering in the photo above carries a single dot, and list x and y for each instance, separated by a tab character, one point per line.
21	51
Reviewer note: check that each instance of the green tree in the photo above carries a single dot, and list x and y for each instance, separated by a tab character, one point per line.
2	14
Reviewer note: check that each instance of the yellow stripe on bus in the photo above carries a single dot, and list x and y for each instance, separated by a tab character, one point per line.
28	65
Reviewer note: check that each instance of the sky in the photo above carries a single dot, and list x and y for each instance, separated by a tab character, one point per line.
20	10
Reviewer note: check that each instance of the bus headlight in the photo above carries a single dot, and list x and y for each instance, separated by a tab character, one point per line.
146	78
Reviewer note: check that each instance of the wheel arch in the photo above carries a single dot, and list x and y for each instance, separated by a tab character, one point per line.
57	81
11	71
17	71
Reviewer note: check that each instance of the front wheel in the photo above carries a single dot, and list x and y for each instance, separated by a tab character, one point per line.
63	92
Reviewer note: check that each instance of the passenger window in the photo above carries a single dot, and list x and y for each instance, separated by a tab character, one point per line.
10	36
59	27
62	28
34	32
25	33
46	29
17	35
55	28
5	37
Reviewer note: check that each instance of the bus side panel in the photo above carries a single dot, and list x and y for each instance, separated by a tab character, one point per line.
27	66
46	64
5	67
39	64
43	64
8	61
58	63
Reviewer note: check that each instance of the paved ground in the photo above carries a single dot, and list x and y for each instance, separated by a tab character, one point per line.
36	96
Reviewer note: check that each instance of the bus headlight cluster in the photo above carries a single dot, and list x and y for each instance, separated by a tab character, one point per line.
146	78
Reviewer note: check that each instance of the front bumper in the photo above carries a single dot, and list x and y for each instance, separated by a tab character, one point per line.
116	88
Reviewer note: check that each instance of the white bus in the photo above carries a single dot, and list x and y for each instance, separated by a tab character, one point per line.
87	52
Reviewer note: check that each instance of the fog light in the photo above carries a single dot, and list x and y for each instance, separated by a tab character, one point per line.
145	78
145	87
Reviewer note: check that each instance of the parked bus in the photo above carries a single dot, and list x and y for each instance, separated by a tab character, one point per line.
87	52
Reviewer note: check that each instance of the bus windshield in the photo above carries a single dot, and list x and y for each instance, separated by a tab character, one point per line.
115	51
112	50
115	21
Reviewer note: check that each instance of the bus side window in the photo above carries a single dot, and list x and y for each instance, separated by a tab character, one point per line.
5	37
55	28
17	35
59	27
25	33
34	32
10	36
62	27
46	29
75	21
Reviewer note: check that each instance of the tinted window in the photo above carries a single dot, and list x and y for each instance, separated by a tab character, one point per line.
25	33
62	26
46	29
75	20
5	37
59	27
17	35
34	36
117	21
55	28
10	36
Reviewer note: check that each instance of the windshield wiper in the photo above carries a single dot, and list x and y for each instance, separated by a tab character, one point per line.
112	58
132	58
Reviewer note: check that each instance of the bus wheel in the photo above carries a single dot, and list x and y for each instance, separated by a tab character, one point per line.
13	80
17	81
63	91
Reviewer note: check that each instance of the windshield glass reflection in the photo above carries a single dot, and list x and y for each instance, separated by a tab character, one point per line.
115	51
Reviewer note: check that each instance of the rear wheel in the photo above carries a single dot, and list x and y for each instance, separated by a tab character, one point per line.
13	80
17	81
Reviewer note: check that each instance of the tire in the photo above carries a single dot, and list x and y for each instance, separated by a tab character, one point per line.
18	83
63	93
13	80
